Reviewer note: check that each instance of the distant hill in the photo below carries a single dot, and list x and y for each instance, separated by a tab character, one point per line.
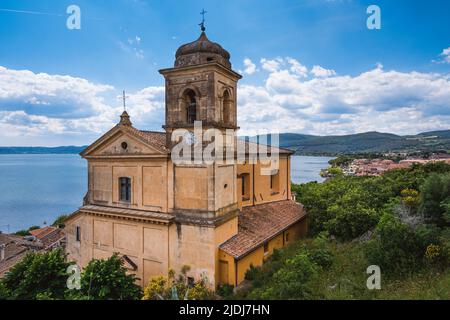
368	142
303	144
42	150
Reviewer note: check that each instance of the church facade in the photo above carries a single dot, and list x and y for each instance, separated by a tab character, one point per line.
217	218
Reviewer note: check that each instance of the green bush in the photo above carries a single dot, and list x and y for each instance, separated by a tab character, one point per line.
4	294
177	288
252	273
293	281
107	280
225	290
350	222
435	197
318	251
60	220
38	273
396	248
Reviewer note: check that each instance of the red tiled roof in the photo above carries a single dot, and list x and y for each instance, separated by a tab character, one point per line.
260	223
155	139
49	235
42	232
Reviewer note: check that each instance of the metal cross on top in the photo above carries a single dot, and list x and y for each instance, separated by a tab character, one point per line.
202	24
124	98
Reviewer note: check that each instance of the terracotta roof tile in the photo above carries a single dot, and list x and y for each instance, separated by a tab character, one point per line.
260	223
156	139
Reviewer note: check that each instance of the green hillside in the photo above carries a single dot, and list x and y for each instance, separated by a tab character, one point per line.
368	142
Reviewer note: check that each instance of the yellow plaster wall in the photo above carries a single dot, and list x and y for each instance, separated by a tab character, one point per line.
149	183
194	246
191	187
257	256
146	244
225	193
260	191
224	232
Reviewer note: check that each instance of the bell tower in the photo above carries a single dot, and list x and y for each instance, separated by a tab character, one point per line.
201	88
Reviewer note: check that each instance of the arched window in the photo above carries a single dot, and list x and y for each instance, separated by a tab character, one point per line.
125	189
191	106
227	116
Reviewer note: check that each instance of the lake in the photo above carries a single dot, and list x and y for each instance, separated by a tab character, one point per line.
36	188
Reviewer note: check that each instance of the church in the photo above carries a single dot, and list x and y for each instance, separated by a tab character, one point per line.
217	218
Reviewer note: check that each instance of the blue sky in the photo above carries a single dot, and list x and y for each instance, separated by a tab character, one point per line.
309	66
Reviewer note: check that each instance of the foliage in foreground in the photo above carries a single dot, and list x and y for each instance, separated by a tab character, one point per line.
43	276
397	221
108	280
177	288
37	275
348	207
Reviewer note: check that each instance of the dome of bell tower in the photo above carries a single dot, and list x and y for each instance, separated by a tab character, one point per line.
201	51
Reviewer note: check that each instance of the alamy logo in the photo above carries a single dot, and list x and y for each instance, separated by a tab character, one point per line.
214	146
74	20
374	20
74	280
374	281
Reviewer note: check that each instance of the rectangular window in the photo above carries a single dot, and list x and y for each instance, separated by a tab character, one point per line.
78	233
287	237
245	191
275	182
125	189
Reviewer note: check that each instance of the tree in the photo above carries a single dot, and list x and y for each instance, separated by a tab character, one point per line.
107	280
293	281
396	248
4	294
411	199
59	221
36	274
24	233
435	195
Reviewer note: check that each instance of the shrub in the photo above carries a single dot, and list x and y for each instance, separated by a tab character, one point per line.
435	195
60	220
175	288
252	272
433	253
38	273
4	294
225	290
293	281
350	222
319	252
108	280
396	248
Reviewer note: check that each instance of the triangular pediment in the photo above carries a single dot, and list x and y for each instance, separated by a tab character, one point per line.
123	142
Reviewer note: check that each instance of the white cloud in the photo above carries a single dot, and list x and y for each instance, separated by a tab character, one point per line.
250	67
271	65
446	55
277	64
320	72
133	47
389	101
41	108
297	68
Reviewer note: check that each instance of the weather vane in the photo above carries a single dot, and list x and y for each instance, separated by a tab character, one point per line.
202	24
